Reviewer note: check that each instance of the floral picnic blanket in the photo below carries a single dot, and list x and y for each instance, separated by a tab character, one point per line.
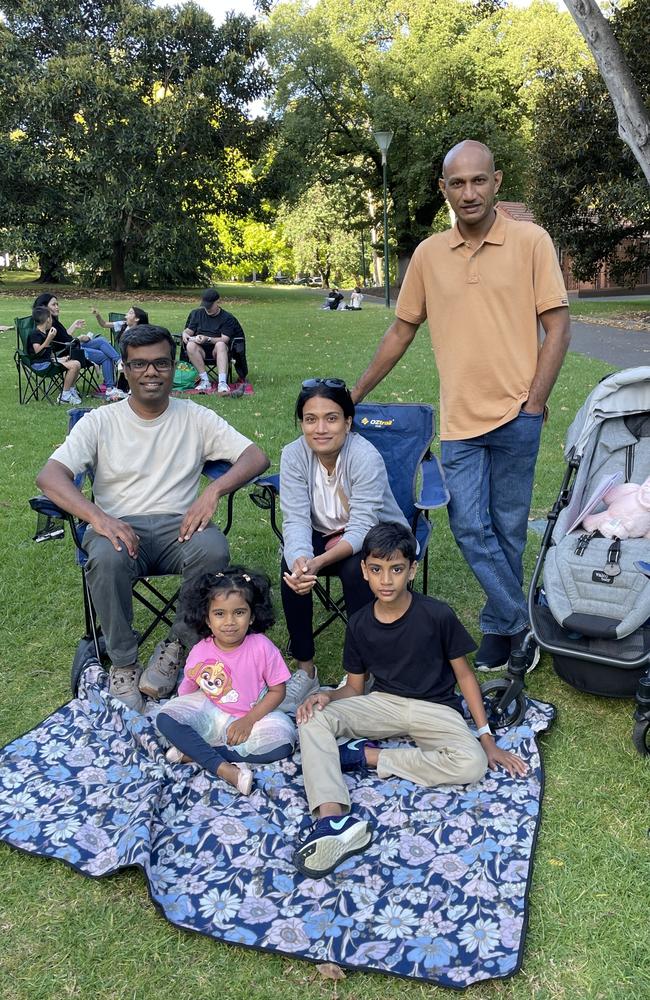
440	894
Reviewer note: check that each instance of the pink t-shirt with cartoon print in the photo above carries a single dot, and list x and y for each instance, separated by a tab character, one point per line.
234	680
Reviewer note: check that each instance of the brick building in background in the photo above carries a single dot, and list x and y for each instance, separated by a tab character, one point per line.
601	286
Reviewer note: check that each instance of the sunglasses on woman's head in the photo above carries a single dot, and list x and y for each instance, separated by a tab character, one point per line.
331	383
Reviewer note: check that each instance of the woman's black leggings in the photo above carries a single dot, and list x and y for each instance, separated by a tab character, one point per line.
298	608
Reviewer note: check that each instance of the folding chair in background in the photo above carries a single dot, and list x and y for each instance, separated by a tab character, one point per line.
403	434
115	318
236	359
51	522
46	383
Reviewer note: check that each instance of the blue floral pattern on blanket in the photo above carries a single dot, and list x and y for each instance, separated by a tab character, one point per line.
440	895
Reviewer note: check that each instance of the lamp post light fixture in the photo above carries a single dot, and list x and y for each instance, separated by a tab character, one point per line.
383	140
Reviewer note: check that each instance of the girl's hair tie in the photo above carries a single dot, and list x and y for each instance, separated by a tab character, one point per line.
246	577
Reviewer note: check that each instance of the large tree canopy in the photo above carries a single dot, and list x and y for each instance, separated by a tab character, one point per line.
631	112
432	71
587	187
120	126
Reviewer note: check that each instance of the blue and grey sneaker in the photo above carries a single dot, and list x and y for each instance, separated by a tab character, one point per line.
330	842
353	754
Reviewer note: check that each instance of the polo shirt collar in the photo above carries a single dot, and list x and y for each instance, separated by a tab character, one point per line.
497	233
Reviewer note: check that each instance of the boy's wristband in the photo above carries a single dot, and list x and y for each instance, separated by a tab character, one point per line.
484	731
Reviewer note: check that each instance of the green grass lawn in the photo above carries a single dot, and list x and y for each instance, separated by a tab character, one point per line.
605	308
66	936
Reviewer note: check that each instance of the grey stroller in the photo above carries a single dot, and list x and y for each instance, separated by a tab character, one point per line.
589	598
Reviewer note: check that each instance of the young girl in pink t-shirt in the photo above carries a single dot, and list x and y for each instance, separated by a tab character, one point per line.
226	711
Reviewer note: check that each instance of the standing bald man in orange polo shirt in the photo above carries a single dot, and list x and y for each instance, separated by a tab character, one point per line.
485	286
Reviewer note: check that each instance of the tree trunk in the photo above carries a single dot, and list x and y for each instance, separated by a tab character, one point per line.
50	270
118	277
402	263
633	118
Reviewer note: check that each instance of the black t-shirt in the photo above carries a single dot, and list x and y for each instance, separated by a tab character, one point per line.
409	657
63	338
224	323
38	337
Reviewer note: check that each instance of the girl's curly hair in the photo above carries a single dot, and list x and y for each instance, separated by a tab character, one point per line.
254	587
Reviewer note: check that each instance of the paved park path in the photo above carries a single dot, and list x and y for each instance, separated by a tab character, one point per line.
620	348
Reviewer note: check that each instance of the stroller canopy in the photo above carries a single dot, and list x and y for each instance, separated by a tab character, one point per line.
618	395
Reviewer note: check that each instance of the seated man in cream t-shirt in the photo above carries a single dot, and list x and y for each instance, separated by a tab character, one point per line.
146	453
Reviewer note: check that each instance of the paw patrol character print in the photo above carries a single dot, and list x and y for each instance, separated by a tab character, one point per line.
215	680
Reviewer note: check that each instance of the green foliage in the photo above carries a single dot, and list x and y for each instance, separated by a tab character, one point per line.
432	71
119	125
587	187
322	235
249	245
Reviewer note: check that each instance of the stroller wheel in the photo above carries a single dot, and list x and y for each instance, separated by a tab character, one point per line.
85	652
641	737
509	715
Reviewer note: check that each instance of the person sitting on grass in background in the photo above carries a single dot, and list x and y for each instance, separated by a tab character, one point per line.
226	715
334	299
134	317
39	348
90	348
208	332
416	648
356	298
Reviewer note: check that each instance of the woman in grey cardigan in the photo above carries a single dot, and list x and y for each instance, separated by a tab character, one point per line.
333	490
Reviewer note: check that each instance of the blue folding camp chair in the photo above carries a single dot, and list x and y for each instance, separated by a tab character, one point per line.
51	521
403	434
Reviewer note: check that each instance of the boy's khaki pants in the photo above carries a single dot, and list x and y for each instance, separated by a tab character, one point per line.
446	754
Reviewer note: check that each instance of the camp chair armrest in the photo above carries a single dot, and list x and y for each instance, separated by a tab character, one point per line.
43	505
271	482
433	489
49	514
265	496
214	470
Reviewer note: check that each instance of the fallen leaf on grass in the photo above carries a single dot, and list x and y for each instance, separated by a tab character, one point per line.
328	970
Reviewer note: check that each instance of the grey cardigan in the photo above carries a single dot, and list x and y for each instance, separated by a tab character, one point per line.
364	480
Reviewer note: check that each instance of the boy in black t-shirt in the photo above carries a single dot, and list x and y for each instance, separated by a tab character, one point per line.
39	348
416	648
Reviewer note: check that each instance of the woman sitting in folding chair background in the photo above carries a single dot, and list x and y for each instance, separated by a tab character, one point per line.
333	489
39	348
88	348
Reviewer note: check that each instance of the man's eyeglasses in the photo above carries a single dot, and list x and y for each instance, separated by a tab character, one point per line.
140	365
331	383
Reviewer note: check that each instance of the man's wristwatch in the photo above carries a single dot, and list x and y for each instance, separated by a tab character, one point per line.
484	731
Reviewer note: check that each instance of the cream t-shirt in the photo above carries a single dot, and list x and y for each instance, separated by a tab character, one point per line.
148	466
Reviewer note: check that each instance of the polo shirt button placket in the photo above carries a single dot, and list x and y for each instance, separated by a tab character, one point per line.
472	273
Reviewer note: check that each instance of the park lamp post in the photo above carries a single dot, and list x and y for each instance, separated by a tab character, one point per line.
383	140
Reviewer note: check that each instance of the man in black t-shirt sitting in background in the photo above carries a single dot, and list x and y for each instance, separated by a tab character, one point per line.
416	648
209	333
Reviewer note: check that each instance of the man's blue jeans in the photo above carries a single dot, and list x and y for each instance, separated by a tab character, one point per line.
101	352
490	480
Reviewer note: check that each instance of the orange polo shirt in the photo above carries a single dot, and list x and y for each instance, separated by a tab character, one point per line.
483	306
